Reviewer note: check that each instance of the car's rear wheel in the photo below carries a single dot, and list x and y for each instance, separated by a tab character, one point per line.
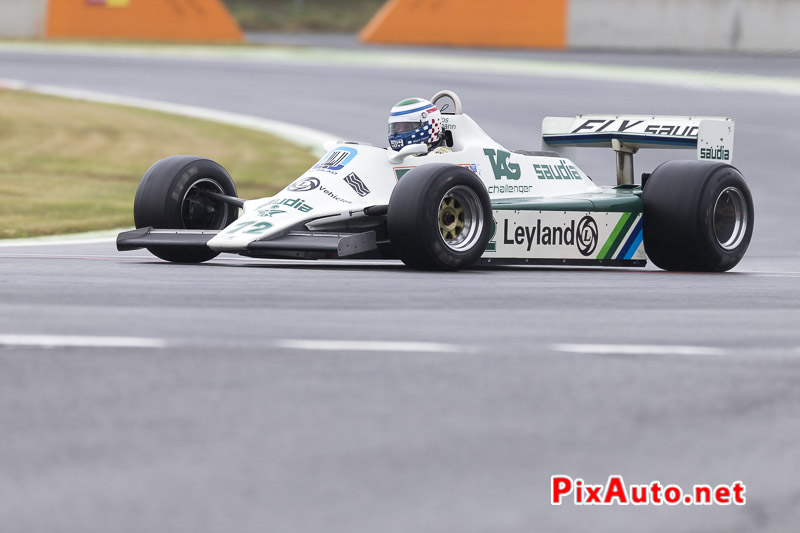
698	216
440	218
172	195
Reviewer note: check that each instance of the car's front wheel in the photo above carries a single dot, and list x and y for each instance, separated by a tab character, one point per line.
172	195
440	218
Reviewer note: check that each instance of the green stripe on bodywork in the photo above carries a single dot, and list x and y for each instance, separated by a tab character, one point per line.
621	202
620	230
607	201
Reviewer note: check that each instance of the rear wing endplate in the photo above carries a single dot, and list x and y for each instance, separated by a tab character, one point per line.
710	137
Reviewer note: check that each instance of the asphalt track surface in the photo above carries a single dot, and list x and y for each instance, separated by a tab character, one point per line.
137	395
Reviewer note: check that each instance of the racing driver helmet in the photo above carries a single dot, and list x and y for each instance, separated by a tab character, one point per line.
414	121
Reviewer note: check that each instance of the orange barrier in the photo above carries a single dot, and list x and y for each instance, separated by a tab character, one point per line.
161	20
498	23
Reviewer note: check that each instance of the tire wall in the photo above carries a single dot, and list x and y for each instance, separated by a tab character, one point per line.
702	25
160	20
497	23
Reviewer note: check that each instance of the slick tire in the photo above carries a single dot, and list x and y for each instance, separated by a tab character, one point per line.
169	197
698	216
440	218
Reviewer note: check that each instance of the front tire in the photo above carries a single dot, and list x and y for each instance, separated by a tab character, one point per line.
440	218
170	197
698	216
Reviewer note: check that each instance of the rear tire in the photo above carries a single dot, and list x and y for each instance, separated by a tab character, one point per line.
440	218
169	197
698	216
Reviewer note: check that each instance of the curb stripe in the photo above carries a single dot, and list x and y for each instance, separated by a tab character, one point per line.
637	230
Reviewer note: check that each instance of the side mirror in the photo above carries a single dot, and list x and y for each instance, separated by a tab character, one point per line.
405	151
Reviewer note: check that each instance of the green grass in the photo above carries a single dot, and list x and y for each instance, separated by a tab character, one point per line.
68	166
304	15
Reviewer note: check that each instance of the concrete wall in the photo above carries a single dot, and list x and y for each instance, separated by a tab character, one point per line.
770	24
23	19
713	25
702	25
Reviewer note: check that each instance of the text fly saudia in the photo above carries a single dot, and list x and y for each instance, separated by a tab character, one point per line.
623	126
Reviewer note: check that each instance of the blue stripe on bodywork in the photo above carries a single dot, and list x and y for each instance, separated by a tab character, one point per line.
641	139
632	243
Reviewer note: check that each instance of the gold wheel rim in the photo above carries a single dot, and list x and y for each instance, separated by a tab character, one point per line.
460	219
451	219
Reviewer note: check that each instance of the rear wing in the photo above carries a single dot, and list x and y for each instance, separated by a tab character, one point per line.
711	137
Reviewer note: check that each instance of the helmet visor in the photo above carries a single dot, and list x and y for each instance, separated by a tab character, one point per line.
403	127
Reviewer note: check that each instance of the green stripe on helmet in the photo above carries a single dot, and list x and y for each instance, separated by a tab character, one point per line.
409	102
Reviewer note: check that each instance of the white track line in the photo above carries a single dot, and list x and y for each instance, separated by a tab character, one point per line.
372	346
305	137
634	349
433	61
76	341
774	274
59	240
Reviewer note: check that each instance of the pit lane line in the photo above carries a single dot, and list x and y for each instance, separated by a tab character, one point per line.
656	350
67	341
577	349
84	341
637	349
79	341
373	346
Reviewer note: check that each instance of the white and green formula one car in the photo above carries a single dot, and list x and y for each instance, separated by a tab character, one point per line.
476	204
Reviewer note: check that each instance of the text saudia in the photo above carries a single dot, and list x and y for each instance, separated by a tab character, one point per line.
719	153
296	203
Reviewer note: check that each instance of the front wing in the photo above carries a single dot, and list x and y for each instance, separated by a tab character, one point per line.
297	244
